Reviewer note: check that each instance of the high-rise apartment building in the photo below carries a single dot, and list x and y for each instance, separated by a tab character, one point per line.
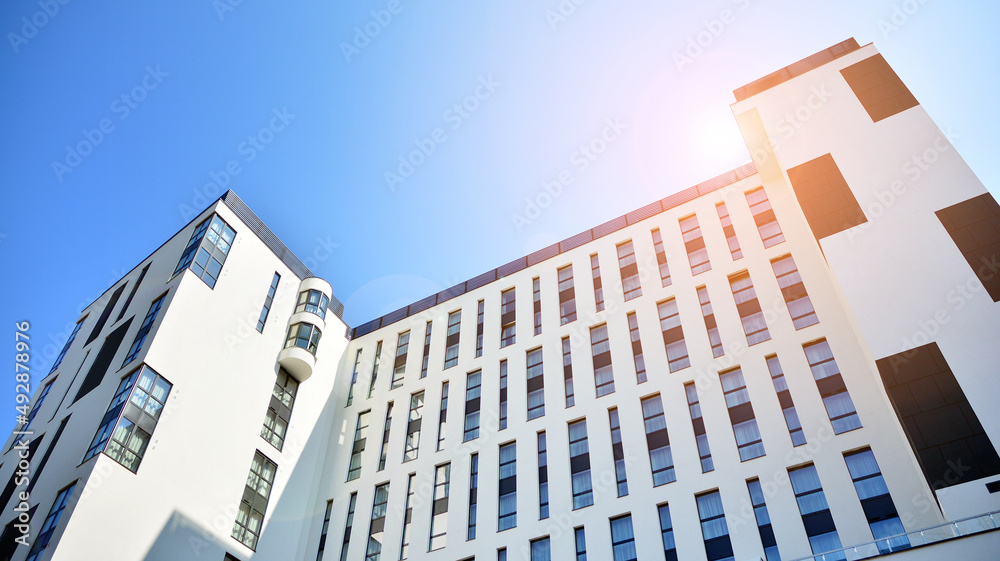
796	358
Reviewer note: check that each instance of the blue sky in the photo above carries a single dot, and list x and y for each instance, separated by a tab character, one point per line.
306	110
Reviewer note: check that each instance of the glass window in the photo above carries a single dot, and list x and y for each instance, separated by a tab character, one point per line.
207	250
144	329
268	300
694	244
661	257
536	384
629	270
600	350
305	336
623	539
673	335
50	523
763	216
250	516
313	302
125	432
567	295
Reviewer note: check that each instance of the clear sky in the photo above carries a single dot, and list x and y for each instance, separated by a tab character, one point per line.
311	105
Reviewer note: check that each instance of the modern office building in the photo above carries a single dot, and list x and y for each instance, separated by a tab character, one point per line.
795	358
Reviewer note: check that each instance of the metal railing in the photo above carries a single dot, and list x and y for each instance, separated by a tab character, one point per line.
918	538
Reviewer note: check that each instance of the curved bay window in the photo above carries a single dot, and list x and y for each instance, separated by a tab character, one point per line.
303	335
314	302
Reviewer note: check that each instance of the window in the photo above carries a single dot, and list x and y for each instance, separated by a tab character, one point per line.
567	295
268	300
147	325
65	349
508	314
503	394
883	519
305	336
404	546
754	325
313	302
375	529
541	550
640	363
383	453
399	365
673	335
413	421
427	351
568	373
629	270
763	216
794	291
543	478
713	329
694	406
103	319
507	513
694	244
502	554
729	231
34	408
451	341
618	452
763	520
661	257
839	406
579	465
536	384
348	526
131	294
473	497
374	376
354	377
279	410
713	527
250	516
479	327
125	431
600	350
667	532
537	304
360	439
748	439
580	539
785	399
207	249
622	538
324	530
660	459
595	269
473	390
50	524
815	511
442	416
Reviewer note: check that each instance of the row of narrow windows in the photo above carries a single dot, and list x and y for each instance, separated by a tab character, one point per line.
752	318
796	298
873	494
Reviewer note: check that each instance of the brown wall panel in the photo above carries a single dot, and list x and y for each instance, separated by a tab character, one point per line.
878	88
825	198
974	225
944	432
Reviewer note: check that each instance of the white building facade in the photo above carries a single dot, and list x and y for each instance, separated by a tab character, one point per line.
789	360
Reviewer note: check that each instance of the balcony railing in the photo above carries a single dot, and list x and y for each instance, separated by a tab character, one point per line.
926	536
